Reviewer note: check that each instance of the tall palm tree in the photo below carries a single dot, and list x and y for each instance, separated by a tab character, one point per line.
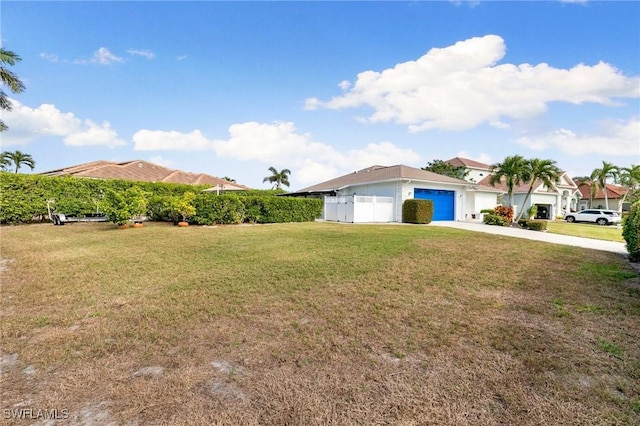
278	178
18	159
540	170
601	175
513	170
8	79
629	177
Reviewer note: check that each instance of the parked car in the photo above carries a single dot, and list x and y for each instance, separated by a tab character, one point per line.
599	216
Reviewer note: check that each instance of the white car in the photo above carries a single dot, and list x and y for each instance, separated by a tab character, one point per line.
599	216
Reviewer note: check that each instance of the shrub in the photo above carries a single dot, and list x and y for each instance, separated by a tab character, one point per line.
631	232
23	197
417	211
537	225
487	211
506	212
181	207
494	219
115	207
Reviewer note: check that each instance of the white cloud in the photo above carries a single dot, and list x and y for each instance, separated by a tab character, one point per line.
182	57
142	52
102	56
27	124
93	134
279	144
158	140
461	86
49	57
619	138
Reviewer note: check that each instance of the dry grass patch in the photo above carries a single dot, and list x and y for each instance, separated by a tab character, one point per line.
316	324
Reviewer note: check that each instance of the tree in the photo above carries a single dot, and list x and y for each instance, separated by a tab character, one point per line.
443	168
18	159
9	79
539	170
278	178
228	179
587	181
513	170
601	175
629	177
5	163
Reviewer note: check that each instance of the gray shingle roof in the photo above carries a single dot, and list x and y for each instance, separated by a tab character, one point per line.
381	174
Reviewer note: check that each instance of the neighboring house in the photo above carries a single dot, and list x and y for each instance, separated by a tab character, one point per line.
376	194
615	195
476	171
551	202
144	171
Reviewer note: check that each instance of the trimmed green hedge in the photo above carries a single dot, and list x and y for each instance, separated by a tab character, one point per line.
536	225
417	211
231	209
24	197
631	232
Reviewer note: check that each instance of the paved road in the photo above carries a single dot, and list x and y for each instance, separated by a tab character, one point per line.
548	237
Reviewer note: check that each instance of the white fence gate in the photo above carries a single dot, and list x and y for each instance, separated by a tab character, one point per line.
358	209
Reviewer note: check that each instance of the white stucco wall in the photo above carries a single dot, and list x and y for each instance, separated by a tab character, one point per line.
476	175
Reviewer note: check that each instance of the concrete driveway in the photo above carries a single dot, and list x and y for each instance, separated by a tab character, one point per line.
590	243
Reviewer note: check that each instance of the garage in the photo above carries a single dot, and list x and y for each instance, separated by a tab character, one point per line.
443	202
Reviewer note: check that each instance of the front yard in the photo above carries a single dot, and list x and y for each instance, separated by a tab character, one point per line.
315	323
586	230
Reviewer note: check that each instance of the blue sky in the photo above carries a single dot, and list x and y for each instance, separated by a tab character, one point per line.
323	88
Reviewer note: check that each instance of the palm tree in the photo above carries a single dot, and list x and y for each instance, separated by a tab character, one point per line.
228	179
8	79
601	175
587	181
5	163
513	170
629	177
278	178
540	170
18	159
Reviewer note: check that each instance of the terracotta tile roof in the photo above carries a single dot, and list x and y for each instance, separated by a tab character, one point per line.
465	162
382	174
144	171
613	191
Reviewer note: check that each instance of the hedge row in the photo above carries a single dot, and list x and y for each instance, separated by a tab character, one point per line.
233	209
24	197
631	232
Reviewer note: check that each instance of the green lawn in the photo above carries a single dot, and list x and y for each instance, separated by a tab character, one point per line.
587	230
314	324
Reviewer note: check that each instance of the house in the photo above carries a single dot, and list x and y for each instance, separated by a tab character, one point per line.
551	202
143	171
376	194
615	196
476	171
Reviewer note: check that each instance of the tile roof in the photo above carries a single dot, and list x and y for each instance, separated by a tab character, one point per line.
139	170
524	187
383	173
613	191
459	161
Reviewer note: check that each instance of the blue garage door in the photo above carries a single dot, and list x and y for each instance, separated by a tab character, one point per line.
443	202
